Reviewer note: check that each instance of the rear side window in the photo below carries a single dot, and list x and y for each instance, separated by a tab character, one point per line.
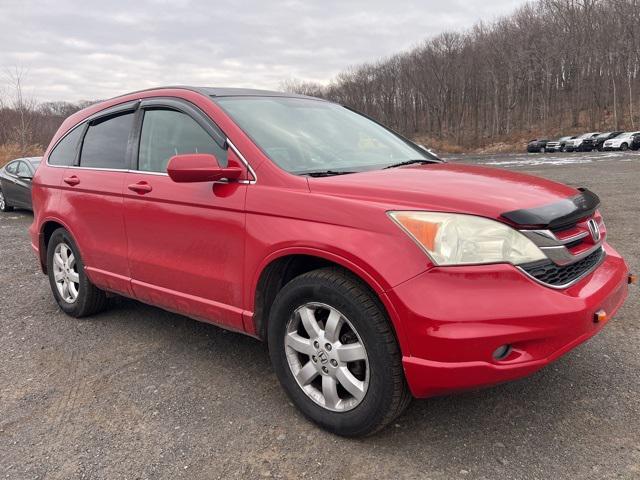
166	133
105	143
65	151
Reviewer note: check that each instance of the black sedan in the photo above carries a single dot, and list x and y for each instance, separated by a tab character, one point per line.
537	145
15	183
635	142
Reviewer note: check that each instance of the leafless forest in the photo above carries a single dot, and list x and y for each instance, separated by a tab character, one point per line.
552	67
27	126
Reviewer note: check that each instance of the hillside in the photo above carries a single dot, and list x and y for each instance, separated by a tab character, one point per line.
552	67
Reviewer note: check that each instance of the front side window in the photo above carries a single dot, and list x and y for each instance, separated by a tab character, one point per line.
166	133
303	136
65	152
105	143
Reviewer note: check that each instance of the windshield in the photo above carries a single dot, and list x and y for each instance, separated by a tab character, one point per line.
303	135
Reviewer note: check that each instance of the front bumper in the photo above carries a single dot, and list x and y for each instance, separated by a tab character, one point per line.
456	317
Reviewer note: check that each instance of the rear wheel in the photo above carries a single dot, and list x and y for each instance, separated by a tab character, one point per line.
71	287
335	353
624	147
4	206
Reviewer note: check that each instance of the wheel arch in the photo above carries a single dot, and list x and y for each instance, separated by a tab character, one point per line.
47	227
281	267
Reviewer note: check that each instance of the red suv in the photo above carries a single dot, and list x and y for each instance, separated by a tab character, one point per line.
374	270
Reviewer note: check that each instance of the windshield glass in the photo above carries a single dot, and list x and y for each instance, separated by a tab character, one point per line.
303	135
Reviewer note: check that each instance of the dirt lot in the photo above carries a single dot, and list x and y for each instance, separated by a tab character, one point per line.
137	392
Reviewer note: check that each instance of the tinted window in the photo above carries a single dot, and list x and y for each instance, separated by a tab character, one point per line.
105	144
166	133
12	168
65	151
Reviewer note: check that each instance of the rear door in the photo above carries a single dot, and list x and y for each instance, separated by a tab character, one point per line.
91	197
186	240
8	183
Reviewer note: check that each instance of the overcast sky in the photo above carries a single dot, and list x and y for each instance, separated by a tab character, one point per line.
75	50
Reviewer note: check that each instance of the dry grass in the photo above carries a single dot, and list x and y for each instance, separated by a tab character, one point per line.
10	151
443	146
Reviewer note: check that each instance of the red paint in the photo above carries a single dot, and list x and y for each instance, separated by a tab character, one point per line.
199	249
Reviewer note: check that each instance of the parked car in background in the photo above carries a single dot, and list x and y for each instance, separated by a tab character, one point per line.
537	145
15	183
582	143
635	142
343	245
621	142
557	145
598	142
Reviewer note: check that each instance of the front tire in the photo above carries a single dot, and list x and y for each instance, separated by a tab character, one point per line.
71	287
4	206
335	353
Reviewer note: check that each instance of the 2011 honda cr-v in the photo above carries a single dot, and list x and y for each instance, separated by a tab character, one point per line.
373	270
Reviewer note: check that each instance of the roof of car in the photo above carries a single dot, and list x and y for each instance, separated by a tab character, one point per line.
230	92
31	160
243	92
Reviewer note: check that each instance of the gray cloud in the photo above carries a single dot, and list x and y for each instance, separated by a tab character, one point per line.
74	50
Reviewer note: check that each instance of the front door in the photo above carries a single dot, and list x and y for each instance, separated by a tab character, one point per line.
185	240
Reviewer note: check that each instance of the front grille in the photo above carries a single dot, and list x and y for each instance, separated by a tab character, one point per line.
555	276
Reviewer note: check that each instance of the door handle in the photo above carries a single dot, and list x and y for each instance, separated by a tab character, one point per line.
72	180
140	187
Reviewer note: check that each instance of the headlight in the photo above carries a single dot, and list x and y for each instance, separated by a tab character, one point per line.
458	239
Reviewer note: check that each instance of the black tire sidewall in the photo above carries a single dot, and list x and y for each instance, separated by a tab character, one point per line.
7	207
370	412
76	308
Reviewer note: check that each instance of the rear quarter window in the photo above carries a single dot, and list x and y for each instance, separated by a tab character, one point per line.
65	152
105	143
12	168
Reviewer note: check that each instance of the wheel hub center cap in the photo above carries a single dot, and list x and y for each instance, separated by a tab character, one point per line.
323	357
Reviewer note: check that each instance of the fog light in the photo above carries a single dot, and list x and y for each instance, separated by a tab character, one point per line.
600	316
633	279
502	352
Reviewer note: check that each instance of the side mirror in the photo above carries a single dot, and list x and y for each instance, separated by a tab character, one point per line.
199	167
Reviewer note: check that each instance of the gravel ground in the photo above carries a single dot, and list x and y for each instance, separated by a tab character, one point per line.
137	392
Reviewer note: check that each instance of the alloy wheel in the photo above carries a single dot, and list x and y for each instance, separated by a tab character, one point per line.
65	273
327	357
2	202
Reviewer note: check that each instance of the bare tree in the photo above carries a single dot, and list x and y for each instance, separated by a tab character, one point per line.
552	67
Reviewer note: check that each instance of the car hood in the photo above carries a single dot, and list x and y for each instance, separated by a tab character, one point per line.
475	190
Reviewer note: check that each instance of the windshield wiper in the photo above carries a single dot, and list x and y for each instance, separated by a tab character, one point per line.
325	173
410	162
